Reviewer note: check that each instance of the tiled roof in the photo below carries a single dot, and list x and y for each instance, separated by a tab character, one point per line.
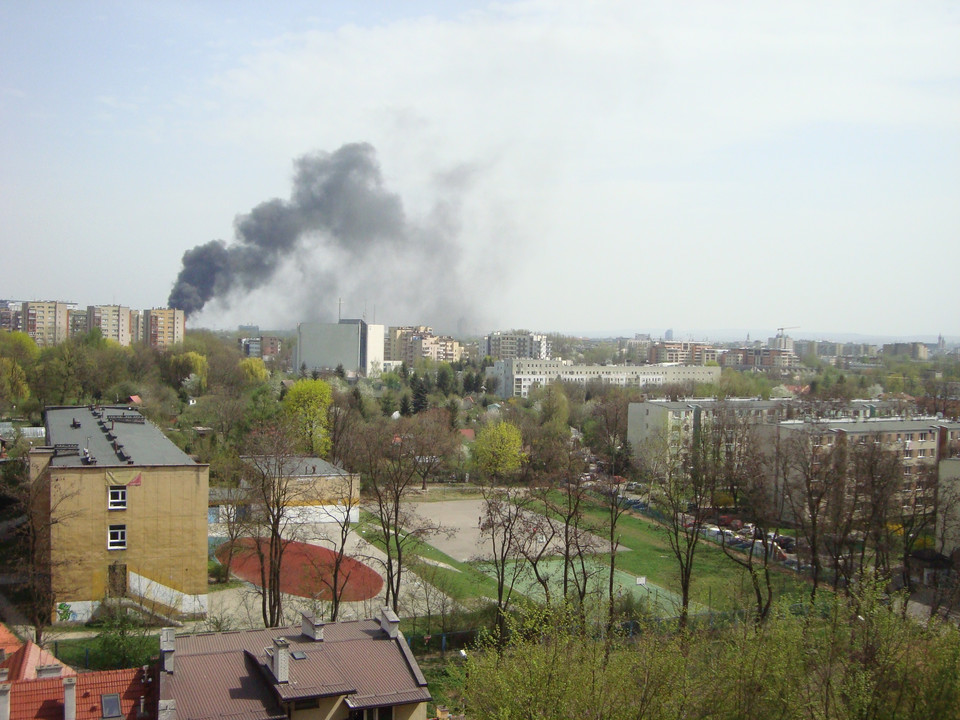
22	664
43	699
227	674
9	642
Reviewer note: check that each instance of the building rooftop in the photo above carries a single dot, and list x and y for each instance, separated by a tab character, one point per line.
108	435
229	674
23	662
43	699
872	425
304	466
9	642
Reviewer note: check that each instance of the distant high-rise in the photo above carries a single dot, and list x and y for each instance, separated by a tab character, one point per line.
47	322
353	344
163	327
507	345
668	335
112	320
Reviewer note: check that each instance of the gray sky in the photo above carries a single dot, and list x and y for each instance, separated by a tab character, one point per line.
575	165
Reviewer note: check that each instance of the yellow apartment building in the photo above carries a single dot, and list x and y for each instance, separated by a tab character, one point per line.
127	513
47	322
163	327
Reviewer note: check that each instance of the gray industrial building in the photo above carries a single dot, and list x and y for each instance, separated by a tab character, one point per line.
354	344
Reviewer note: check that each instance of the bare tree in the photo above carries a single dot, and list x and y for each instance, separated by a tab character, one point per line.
42	503
387	456
344	419
542	530
503	526
434	441
736	464
682	489
878	472
272	490
812	471
334	576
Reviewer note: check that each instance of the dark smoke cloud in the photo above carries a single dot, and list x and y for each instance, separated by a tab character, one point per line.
338	204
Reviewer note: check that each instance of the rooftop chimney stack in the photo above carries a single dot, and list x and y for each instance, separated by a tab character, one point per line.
311	627
389	622
70	698
280	659
4	701
167	709
167	645
48	671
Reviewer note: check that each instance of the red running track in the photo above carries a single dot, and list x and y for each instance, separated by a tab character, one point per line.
305	570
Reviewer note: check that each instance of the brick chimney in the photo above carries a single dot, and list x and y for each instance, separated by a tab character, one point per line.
279	656
168	643
70	698
311	627
389	622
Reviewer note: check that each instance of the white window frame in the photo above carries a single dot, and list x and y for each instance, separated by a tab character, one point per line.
117	537
117	497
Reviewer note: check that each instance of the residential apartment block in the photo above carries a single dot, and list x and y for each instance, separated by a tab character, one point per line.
685	353
397	341
126	513
163	327
760	358
515	377
676	422
507	345
47	322
113	321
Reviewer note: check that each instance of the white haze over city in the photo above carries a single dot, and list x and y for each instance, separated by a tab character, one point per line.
559	166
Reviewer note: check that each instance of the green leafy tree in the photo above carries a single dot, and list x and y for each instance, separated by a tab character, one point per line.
123	640
254	371
13	382
498	449
306	404
20	347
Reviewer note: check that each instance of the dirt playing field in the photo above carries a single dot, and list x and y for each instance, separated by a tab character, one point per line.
305	571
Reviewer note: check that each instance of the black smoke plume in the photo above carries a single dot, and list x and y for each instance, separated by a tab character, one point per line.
340	223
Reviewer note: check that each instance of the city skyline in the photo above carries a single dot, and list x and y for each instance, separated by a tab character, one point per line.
555	166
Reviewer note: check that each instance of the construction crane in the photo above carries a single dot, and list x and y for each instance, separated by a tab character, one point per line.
788	327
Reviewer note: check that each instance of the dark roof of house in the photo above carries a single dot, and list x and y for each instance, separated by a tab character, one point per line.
228	674
43	699
114	435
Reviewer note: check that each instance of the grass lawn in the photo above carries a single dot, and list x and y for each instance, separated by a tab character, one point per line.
717	581
85	653
464	583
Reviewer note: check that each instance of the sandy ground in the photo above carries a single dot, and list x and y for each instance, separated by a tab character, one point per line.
462	540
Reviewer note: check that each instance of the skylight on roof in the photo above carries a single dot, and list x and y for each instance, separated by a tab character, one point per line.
110	705
298	655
